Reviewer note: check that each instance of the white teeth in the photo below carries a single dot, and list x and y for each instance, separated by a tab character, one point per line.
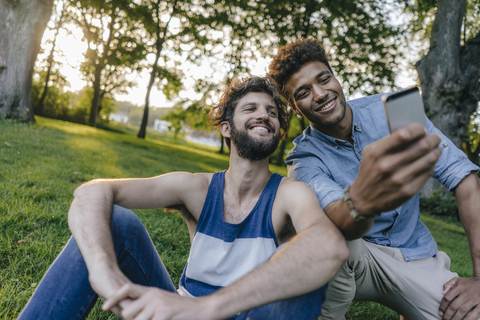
327	106
260	128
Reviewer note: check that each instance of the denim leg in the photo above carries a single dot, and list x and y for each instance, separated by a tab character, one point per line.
65	292
304	307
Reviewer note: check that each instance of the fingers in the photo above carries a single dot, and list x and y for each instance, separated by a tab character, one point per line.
425	147
474	314
448	296
412	176
449	285
138	310
461	300
125	292
399	139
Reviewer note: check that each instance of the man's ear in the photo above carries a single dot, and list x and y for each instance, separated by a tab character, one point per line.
225	129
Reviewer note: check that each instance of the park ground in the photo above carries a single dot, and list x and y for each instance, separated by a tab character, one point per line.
41	164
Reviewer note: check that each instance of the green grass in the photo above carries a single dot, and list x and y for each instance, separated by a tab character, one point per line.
42	164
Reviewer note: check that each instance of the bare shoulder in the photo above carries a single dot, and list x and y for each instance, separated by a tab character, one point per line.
195	180
293	190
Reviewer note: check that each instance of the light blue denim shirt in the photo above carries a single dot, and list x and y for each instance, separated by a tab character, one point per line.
328	165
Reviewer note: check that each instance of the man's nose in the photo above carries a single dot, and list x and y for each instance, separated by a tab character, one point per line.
319	93
262	113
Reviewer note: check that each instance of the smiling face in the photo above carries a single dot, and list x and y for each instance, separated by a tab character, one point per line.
316	94
255	128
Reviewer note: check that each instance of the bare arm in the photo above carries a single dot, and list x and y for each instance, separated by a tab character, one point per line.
308	261
90	213
463	294
392	170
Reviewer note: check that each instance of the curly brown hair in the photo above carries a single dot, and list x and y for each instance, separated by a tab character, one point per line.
291	58
238	88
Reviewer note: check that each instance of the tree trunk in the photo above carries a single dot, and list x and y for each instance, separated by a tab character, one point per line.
22	23
449	75
41	102
143	127
96	96
160	36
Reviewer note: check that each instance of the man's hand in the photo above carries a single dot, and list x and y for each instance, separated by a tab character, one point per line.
106	281
156	304
460	296
393	169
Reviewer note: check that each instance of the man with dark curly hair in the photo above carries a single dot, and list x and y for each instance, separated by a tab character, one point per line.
367	181
257	238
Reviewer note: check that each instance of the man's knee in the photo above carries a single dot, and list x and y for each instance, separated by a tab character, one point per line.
124	221
358	251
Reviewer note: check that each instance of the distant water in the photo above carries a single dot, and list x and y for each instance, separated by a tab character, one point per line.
203	140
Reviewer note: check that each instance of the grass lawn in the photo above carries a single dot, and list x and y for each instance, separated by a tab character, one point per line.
42	164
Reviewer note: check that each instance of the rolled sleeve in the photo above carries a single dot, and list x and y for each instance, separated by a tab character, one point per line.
308	169
453	165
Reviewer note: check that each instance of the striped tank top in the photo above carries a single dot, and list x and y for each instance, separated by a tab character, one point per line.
222	252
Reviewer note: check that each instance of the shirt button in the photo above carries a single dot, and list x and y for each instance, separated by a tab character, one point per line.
386	234
355	149
445	144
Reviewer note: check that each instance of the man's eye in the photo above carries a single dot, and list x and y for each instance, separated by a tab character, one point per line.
301	95
324	79
272	113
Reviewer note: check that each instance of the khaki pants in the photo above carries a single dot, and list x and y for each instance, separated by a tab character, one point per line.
381	274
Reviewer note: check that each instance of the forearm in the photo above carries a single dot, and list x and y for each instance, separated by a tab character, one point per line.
468	199
306	263
339	212
89	221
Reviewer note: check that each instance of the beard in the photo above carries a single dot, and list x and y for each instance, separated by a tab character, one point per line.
250	148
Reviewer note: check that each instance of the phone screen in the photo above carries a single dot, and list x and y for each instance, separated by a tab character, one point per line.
404	108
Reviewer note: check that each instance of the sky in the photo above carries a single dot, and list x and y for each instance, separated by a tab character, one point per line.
72	48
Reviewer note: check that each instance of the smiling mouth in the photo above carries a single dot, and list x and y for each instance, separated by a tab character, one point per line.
327	106
256	128
261	126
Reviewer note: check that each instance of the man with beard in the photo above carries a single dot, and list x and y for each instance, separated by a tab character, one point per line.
367	181
262	248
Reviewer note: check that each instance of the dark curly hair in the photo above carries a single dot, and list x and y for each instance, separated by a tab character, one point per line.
238	88
291	58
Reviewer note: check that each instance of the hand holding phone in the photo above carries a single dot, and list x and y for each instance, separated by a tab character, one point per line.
404	108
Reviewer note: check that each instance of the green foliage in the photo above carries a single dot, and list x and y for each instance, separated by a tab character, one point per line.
362	43
58	104
177	118
439	205
114	48
471	144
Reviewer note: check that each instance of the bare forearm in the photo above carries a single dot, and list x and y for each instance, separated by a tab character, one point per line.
309	261
468	199
339	213
89	222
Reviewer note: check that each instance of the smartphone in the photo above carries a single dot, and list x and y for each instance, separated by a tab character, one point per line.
404	108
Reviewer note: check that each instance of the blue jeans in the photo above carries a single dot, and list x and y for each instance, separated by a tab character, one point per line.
65	292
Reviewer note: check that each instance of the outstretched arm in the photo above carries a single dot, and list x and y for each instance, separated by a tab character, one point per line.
461	295
308	261
90	213
392	170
